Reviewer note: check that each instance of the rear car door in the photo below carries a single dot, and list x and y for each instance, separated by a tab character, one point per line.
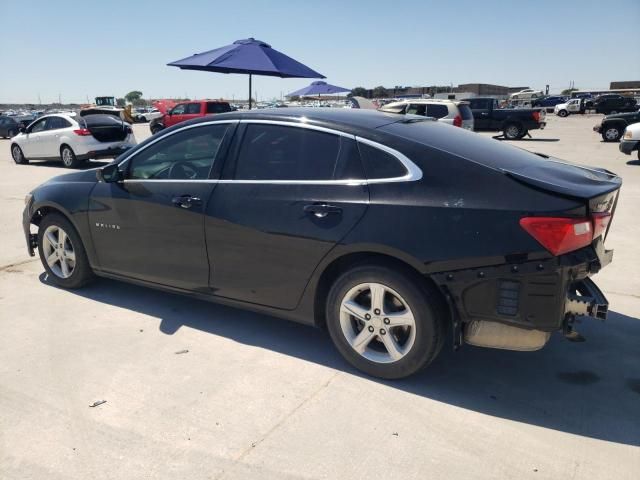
288	195
150	225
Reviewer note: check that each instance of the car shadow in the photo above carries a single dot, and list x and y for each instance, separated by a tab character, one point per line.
58	164
502	138
590	389
633	162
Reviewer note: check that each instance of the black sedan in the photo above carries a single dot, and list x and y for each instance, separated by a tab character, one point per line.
9	126
391	232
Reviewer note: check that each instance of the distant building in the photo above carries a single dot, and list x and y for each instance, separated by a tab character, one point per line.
486	89
628	84
469	89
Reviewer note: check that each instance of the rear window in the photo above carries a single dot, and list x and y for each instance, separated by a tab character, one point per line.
218	107
90	120
465	112
379	164
437	110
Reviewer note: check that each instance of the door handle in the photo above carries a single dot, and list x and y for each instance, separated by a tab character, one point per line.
186	201
321	210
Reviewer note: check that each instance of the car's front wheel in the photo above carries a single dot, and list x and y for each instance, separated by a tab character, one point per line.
385	322
62	253
18	156
69	158
612	134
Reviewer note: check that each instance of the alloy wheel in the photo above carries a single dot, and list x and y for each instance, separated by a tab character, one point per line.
612	133
512	131
67	157
377	322
16	153
58	251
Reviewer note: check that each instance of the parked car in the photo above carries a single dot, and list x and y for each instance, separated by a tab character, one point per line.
184	111
548	102
614	103
527	95
453	112
575	105
72	140
147	115
612	126
388	230
631	140
9	126
515	123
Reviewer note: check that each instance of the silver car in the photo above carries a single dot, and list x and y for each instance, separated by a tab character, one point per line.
453	112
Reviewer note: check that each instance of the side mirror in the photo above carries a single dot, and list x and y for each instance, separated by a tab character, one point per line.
169	112
22	130
109	174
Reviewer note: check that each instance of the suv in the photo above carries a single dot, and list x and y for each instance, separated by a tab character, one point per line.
184	111
612	126
613	103
453	112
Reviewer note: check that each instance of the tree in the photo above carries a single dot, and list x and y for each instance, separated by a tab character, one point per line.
567	91
133	96
380	92
358	92
120	102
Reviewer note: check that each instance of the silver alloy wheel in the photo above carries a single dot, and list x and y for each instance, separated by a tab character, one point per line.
67	157
16	153
58	251
512	131
377	322
612	133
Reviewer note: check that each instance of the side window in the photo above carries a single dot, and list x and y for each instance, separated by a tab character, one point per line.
479	104
54	123
437	110
416	109
38	126
185	155
178	109
380	164
218	107
192	109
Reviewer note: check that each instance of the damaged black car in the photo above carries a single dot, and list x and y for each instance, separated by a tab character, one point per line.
393	233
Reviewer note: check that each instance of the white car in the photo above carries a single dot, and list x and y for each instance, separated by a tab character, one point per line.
72	140
147	116
631	139
453	112
564	109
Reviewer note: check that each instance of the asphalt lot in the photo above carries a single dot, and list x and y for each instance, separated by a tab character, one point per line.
258	397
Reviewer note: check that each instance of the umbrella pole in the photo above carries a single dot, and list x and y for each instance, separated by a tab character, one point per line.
249	91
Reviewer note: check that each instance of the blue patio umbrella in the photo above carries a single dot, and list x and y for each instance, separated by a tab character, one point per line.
318	88
248	56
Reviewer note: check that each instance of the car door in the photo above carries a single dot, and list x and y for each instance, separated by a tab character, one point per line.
150	225
32	145
289	194
481	113
50	139
176	115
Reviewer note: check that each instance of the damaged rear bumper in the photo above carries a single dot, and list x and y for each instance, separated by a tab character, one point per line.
542	296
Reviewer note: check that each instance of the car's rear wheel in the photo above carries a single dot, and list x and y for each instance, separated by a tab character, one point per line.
62	253
385	322
18	156
563	113
612	134
69	158
513	131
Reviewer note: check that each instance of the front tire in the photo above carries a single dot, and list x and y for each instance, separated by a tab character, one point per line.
62	252
68	158
612	134
385	322
18	156
563	113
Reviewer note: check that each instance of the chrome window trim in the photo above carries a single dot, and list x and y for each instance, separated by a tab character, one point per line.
414	173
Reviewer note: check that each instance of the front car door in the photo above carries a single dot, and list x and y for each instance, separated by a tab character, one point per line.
289	193
150	226
50	139
481	113
32	147
176	115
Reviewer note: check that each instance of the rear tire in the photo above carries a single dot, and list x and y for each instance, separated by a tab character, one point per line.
612	134
68	158
62	252
513	131
563	113
18	156
375	345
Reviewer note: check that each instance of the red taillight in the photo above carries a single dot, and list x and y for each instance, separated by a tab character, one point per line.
536	116
600	223
457	121
559	235
83	132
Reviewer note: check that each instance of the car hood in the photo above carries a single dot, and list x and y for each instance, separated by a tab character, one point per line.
84	176
621	115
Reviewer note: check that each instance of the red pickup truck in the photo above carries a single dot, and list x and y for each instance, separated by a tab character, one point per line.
184	111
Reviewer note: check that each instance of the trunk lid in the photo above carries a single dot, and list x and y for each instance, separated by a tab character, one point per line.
105	128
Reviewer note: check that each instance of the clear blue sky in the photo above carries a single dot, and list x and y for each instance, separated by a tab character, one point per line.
81	49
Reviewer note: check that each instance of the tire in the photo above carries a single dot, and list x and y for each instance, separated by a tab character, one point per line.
18	156
155	129
513	131
77	272
68	158
415	343
612	134
563	113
